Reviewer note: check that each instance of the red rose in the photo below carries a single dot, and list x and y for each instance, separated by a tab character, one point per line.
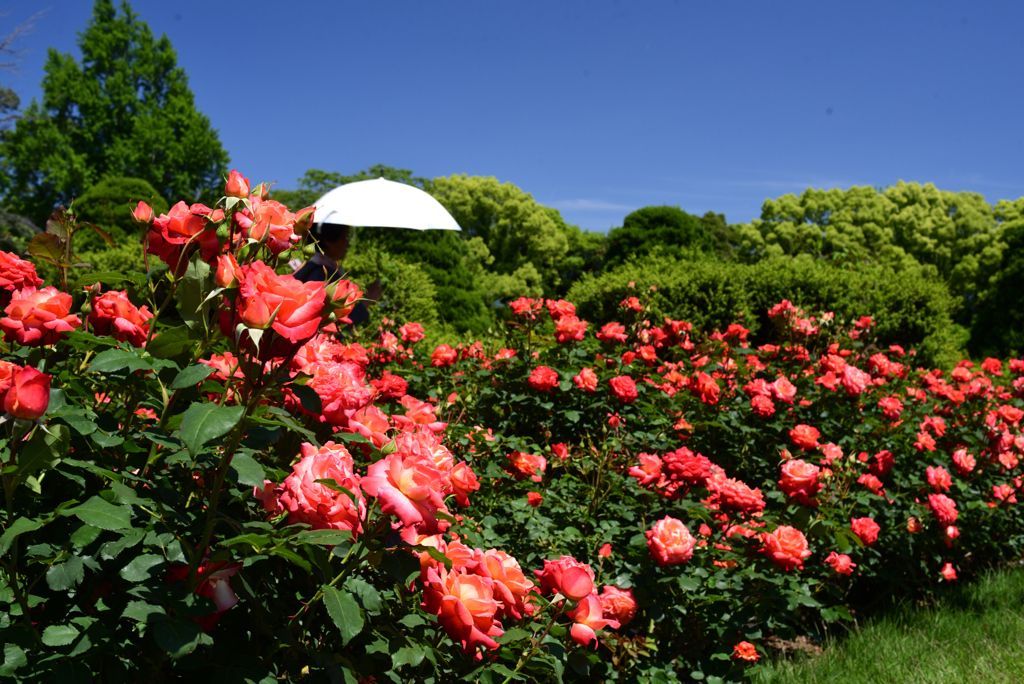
559	308
841	563
29	394
586	379
734	495
112	314
321	507
411	332
805	436
762	406
565	576
669	542
865	528
623	388
948	573
943	507
787	547
854	380
15	274
543	379
800	480
884	461
963	461
268	221
174	234
745	651
570	329
617	604
444	355
36	318
522	466
534	498
939	478
612	332
683	464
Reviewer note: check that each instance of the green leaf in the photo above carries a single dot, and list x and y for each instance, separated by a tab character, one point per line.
248	472
44	450
308	397
572	416
407	655
66	575
48	247
170	343
204	422
177	637
111	550
59	635
331	483
84	535
688	584
106	277
139	568
114	360
14	658
345	613
324	537
101	514
367	593
103	234
191	376
19	526
195	283
141	611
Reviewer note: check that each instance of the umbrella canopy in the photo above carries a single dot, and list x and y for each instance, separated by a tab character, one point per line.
380	203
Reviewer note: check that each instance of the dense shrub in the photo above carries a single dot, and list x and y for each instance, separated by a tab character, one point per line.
409	294
241	492
668	230
908	308
107	205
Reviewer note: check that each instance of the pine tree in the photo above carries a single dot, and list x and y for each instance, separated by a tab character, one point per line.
126	110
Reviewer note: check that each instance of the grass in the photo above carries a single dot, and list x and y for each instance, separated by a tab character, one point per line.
975	633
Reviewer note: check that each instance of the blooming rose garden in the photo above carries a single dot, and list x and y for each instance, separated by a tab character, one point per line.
208	473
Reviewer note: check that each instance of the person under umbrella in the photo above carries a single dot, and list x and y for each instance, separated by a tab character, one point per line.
331	242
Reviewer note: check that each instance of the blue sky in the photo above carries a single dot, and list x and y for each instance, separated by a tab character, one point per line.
599	108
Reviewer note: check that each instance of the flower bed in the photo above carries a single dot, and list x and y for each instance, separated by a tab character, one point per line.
202	474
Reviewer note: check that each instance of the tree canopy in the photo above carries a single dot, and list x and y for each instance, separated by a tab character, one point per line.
126	110
953	234
669	230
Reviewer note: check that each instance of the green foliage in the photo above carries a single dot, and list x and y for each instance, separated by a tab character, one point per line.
126	110
109	204
903	226
525	241
668	230
443	256
409	294
909	308
998	326
15	232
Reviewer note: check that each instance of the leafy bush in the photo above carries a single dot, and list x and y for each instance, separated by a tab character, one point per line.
909	308
409	294
201	479
667	230
106	205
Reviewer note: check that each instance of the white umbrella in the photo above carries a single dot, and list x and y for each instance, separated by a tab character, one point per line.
380	203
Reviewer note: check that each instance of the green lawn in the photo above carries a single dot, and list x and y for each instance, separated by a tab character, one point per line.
974	634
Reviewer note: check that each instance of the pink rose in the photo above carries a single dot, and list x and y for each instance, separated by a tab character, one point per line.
308	501
38	317
589	619
800	480
113	314
586	380
787	547
669	542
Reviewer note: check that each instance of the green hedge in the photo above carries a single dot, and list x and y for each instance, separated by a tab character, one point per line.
909	308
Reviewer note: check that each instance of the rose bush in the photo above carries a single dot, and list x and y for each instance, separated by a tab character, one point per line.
206	471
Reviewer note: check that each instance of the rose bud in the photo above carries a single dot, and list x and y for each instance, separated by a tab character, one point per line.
261	191
303	220
237	186
228	272
143	214
29	395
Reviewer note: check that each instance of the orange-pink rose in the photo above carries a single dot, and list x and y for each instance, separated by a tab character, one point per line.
308	501
113	314
38	317
800	480
173	235
464	605
669	542
29	393
618	604
787	547
589	619
410	489
15	274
